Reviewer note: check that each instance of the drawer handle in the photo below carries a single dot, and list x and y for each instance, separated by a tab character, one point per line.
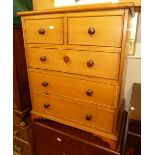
88	117
41	31
59	139
90	63
89	92
45	83
66	59
43	58
91	31
46	105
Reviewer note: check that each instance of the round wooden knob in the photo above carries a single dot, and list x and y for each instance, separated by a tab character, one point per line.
45	83
88	117
90	63
46	105
89	92
41	31
43	58
91	31
66	59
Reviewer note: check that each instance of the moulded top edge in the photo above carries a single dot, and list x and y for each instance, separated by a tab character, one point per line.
94	7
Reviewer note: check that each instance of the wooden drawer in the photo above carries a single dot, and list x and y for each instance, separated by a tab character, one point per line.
44	31
100	31
72	111
99	64
16	118
20	133
21	146
89	91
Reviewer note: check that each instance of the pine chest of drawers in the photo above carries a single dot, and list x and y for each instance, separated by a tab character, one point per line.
75	58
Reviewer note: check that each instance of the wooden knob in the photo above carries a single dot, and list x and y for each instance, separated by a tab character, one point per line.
90	63
45	83
91	31
43	58
41	31
66	59
46	105
89	92
88	117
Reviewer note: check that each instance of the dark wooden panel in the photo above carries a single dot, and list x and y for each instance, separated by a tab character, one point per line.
54	138
136	102
22	147
134	129
21	95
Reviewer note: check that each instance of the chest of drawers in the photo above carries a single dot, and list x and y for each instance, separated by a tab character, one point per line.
75	58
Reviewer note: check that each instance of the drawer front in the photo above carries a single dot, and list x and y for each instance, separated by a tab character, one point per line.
44	31
20	133
73	112
16	118
100	31
99	64
89	91
21	147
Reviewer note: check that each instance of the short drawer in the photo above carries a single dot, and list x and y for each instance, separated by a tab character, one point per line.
44	31
98	31
99	64
88	91
72	111
21	147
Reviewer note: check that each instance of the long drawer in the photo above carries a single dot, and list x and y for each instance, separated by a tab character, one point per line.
72	111
44	30
89	91
99	64
100	31
21	147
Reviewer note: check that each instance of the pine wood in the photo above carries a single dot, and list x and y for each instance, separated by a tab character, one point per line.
68	9
105	76
136	2
68	110
106	65
54	36
108	31
56	82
